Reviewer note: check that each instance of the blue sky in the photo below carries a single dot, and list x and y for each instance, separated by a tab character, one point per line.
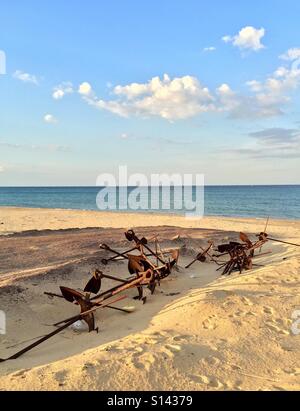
159	86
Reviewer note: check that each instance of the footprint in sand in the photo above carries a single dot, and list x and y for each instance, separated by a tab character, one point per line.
288	348
212	360
246	301
182	337
268	310
201	379
174	348
60	377
209	325
239	313
273	327
87	365
138	350
228	303
222	341
238	323
195	378
212	382
235	367
160	335
250	314
151	341
144	361
215	383
291	371
280	322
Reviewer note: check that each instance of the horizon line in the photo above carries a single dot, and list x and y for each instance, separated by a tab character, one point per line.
118	186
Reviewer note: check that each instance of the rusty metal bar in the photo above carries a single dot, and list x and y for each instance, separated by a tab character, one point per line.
58	330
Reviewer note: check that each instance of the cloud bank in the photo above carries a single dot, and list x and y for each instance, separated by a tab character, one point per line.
184	97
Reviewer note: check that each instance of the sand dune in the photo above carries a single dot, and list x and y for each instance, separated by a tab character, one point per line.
199	331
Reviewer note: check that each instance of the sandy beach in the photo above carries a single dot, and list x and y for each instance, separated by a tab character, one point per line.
199	331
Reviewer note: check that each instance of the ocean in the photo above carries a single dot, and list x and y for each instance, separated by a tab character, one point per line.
277	201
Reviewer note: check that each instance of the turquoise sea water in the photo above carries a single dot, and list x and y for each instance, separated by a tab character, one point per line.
278	201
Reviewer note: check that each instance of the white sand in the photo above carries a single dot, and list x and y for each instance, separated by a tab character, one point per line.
218	333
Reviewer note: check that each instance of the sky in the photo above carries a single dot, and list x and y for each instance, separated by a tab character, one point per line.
163	86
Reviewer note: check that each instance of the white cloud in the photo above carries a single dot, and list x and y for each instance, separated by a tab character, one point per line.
85	89
228	100
254	85
2	169
49	118
61	90
25	77
248	38
210	48
291	54
224	89
281	82
226	39
179	98
185	97
281	72
267	97
270	95
124	136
